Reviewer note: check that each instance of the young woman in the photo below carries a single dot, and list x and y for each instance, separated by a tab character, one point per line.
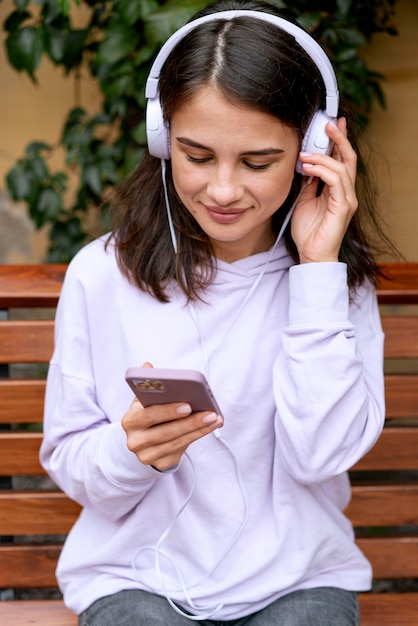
239	250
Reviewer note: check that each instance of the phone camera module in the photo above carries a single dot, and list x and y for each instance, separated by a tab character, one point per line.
149	384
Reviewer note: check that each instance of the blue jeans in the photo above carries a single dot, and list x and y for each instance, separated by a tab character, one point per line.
322	606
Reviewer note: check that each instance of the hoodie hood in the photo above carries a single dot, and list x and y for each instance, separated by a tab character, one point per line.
269	262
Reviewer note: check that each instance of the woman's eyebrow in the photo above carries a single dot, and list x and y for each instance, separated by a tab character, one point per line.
264	152
192	144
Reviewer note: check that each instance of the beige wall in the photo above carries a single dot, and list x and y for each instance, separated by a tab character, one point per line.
28	113
36	112
396	129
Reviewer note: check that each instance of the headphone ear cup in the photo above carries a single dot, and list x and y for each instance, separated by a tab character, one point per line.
316	140
158	137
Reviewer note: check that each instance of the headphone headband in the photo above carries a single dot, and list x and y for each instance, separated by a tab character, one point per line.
315	138
304	40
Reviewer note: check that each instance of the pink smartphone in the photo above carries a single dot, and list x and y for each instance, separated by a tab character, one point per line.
153	385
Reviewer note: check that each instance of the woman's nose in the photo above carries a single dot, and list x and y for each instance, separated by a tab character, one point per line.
224	186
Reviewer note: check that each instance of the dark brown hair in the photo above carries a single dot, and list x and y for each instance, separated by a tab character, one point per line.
257	65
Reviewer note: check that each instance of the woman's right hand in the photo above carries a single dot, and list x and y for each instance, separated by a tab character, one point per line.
160	434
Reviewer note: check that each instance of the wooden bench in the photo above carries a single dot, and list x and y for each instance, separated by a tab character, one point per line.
35	518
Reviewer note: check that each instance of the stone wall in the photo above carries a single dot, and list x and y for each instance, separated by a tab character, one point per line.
19	241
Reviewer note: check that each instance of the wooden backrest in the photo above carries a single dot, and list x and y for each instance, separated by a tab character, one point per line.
384	507
34	515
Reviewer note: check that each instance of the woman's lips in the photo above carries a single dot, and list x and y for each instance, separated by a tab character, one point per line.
225	216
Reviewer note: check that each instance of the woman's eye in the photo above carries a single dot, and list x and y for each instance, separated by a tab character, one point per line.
197	160
252	166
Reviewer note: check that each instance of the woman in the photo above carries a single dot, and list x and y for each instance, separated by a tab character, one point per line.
241	253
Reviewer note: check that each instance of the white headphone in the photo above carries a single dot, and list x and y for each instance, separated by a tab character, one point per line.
315	140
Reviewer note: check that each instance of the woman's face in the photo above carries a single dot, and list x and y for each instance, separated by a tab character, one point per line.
232	168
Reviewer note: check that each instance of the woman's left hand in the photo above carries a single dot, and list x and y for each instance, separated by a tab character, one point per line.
319	223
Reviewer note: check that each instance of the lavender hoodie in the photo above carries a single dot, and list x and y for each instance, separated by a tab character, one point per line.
298	375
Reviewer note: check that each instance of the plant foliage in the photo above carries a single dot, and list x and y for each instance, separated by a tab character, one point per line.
116	46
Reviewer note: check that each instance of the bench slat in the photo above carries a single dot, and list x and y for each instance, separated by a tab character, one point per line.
401	393
401	336
19	453
36	613
389	609
396	449
21	401
14	570
390	556
383	505
30	285
36	513
26	341
399	285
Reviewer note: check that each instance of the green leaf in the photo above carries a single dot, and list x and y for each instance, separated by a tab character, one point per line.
309	21
118	87
39	168
59	181
145	53
67	237
24	49
15	19
54	42
117	106
107	151
139	134
131	12
90	176
350	36
49	205
131	161
35	147
120	42
51	10
77	134
108	171
345	55
74	45
20	183
76	115
100	118
160	24
65	5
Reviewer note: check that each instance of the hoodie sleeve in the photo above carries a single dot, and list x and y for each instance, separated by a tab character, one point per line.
84	450
328	379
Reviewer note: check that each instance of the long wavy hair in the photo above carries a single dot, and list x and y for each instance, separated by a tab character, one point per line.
257	65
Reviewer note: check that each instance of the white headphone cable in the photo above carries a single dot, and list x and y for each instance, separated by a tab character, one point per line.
167	206
159	552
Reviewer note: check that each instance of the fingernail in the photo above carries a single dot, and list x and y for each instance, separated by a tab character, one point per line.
211	418
184	409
